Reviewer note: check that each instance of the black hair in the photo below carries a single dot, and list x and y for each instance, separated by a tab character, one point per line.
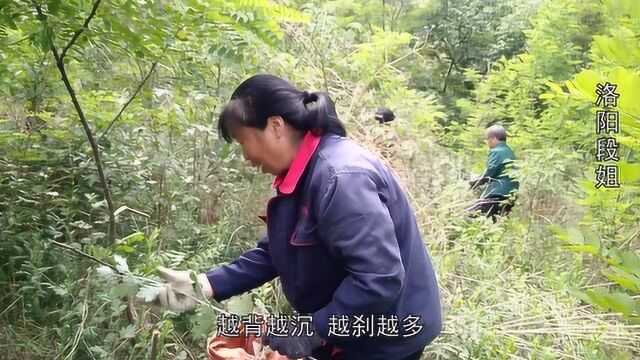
265	95
384	115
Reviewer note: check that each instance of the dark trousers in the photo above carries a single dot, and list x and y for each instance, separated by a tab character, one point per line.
324	353
492	206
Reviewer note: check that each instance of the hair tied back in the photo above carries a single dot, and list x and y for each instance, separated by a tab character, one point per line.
306	97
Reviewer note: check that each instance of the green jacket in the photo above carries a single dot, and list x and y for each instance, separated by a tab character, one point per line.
499	183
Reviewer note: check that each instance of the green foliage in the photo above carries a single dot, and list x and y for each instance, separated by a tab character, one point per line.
614	59
170	193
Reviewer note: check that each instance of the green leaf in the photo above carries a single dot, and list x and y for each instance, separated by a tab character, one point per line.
555	87
598	296
620	277
559	231
628	86
575	236
102	353
133	238
240	305
629	173
581	248
579	294
622	303
586	82
128	333
572	89
205	319
631	262
593	241
614	256
614	49
125	249
630	7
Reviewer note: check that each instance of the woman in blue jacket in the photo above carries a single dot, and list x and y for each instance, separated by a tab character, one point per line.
341	235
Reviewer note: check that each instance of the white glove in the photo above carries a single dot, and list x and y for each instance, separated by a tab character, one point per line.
180	293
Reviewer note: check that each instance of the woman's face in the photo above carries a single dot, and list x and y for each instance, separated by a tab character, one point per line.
491	142
271	150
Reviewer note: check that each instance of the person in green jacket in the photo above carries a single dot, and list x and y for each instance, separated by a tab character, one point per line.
499	196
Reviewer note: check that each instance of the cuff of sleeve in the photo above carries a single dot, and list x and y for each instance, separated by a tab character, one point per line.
219	280
205	285
321	323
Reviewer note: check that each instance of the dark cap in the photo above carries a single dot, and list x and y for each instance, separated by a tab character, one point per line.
384	115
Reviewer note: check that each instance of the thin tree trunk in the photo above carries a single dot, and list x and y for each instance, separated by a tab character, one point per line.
446	79
74	99
384	14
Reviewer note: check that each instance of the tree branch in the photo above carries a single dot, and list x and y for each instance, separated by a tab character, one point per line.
83	254
79	32
130	314
144	81
85	125
396	15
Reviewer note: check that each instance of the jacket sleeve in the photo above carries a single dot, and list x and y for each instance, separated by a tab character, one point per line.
493	165
357	228
250	270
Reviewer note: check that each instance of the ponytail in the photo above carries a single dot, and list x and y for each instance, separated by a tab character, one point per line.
322	116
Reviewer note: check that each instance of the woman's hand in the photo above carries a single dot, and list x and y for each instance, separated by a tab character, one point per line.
181	291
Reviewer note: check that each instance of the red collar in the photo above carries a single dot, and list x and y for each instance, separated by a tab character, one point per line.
286	183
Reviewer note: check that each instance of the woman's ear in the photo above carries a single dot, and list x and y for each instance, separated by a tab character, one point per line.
276	124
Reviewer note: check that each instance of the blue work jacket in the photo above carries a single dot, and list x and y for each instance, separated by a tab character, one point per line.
344	241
